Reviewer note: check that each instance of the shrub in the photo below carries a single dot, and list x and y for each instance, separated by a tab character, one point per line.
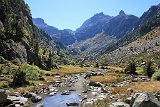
31	71
19	78
97	65
156	75
131	69
25	73
102	67
81	65
148	69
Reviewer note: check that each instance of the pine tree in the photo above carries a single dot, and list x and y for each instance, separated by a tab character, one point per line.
149	71
132	68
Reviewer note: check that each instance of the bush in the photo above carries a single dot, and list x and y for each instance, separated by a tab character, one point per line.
97	65
102	67
19	78
25	73
148	69
31	71
156	75
131	69
81	65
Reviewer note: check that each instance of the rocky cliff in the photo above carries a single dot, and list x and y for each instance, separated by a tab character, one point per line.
20	40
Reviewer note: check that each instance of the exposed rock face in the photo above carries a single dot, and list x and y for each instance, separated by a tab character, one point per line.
144	38
92	26
144	100
100	32
95	44
146	44
20	40
113	26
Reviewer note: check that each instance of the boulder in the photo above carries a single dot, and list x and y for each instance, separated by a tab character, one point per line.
40	105
52	93
17	94
128	100
17	100
144	100
28	94
96	84
72	104
157	94
35	98
3	96
119	104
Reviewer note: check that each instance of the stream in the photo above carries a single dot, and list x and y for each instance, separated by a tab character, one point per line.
75	90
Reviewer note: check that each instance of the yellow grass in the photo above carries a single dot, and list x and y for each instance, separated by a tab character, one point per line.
109	78
116	68
24	89
69	69
151	87
100	103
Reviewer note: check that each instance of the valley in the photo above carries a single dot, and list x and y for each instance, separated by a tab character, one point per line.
109	61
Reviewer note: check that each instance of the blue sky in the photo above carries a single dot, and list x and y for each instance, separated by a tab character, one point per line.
70	14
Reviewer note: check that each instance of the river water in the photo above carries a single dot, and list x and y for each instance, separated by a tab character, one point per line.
79	91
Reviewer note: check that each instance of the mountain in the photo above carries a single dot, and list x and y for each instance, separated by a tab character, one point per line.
101	31
65	36
143	49
92	26
114	26
120	25
142	43
94	45
21	41
39	22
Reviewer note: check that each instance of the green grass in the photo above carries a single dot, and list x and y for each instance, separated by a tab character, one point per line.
140	70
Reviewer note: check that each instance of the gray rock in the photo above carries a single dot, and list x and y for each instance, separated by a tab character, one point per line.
18	100
3	96
72	104
28	94
157	94
17	94
144	100
96	84
119	104
40	105
128	100
35	98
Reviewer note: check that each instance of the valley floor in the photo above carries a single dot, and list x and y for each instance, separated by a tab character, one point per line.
95	87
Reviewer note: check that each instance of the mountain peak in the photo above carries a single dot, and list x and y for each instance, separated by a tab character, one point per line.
121	13
99	14
39	21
